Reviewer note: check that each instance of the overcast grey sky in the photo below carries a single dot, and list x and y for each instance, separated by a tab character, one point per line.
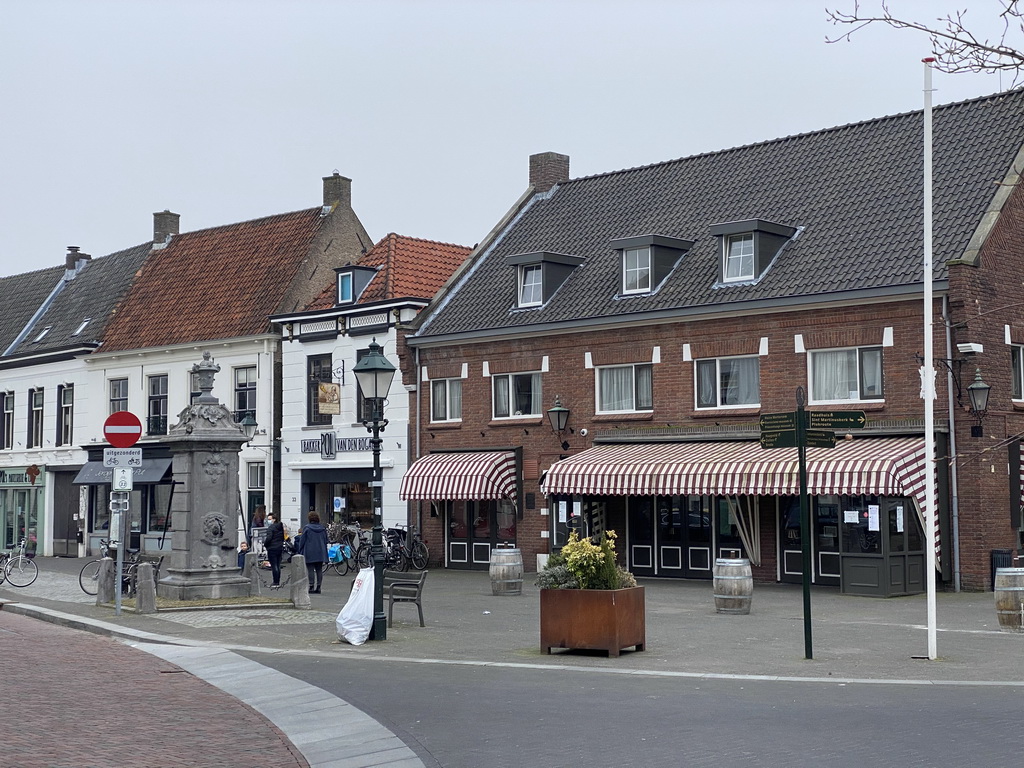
227	110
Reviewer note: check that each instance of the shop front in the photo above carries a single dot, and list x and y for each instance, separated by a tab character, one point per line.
475	493
687	504
22	497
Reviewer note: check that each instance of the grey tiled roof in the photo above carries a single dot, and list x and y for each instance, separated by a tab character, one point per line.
93	294
855	190
20	297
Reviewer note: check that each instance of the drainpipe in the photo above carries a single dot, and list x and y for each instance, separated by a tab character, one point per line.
951	408
416	431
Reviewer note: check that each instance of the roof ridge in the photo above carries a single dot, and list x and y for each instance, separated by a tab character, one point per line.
307	211
792	136
424	240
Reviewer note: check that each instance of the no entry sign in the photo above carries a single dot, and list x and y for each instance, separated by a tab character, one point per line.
122	429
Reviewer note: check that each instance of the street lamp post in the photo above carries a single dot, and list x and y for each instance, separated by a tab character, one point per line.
374	373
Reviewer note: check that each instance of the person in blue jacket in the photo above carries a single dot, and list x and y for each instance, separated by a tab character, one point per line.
312	545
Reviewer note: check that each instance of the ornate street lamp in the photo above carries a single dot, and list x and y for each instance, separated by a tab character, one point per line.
978	391
248	425
374	374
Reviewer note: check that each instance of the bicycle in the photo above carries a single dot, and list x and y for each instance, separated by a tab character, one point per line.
19	569
343	559
414	547
89	576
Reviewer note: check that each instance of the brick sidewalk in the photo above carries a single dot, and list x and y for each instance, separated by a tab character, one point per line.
74	699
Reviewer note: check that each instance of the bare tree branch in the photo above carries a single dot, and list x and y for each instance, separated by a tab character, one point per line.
954	45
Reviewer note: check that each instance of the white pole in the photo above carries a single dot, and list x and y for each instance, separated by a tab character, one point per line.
928	369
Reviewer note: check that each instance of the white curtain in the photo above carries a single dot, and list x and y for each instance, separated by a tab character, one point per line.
835	374
616	389
744	512
740	381
501	396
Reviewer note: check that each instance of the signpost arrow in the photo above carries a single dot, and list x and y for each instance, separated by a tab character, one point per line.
774	422
817	438
837	419
122	429
785	438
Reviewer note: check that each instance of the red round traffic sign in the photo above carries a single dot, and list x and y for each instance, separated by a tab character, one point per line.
122	429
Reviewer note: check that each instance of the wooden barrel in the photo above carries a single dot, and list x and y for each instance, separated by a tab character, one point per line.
734	585
1009	592
506	571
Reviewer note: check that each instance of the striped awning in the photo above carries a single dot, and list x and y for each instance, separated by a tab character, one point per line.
889	467
473	476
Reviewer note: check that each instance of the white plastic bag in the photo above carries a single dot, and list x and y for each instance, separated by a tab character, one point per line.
356	618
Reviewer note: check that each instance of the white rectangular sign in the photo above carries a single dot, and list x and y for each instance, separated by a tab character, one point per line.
122	480
122	457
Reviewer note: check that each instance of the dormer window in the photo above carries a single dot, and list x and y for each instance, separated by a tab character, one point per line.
636	270
351	281
647	260
748	248
539	275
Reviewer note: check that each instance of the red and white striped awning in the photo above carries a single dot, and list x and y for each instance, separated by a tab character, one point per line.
889	467
474	476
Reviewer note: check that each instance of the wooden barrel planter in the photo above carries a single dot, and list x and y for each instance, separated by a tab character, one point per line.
506	571
1009	591
734	585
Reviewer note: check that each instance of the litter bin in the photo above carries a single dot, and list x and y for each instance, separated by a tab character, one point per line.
1001	558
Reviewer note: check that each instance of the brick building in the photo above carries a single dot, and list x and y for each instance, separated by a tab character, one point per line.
669	308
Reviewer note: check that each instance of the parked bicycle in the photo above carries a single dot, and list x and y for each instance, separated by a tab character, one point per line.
413	546
343	551
89	576
18	568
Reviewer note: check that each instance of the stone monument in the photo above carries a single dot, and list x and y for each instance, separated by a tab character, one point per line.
204	509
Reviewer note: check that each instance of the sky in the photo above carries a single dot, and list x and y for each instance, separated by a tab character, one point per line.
229	110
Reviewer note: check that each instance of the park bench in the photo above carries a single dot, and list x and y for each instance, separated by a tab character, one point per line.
404	588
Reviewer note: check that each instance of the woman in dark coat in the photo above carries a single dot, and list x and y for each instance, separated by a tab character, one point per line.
312	545
274	544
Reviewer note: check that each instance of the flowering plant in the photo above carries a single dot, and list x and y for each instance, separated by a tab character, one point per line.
582	564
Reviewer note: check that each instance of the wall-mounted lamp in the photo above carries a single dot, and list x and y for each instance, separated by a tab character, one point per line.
978	391
248	425
559	416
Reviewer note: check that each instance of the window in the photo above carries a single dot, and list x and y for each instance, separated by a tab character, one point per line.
530	285
517	394
345	288
636	270
156	423
245	392
739	258
1017	361
846	374
256	472
118	395
446	400
194	392
42	334
82	327
623	388
35	419
728	382
7	425
318	368
65	414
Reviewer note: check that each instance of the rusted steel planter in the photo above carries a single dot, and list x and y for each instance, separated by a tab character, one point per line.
592	619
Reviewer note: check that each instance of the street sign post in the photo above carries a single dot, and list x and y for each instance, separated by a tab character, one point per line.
817	438
122	457
122	429
836	419
775	422
122	480
785	438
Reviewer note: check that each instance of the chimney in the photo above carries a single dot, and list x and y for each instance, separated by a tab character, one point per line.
548	169
165	226
74	262
337	191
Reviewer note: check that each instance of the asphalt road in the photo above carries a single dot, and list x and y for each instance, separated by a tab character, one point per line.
457	716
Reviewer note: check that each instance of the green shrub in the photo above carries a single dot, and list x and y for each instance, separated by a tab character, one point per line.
583	564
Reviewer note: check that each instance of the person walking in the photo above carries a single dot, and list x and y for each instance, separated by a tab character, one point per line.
274	544
312	545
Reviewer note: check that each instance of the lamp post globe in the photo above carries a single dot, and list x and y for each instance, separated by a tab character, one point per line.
374	373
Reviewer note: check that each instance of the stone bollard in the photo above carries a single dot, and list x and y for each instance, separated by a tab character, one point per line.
251	571
145	589
299	582
105	587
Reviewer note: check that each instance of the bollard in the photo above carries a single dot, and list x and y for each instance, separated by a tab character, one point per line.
299	582
250	570
145	589
105	585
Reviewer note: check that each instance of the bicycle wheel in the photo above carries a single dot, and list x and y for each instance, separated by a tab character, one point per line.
340	566
89	577
21	571
420	553
363	557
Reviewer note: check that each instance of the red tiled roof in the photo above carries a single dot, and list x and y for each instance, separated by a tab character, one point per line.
216	283
408	267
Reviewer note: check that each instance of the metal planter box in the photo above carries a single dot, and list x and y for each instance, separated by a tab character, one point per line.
592	619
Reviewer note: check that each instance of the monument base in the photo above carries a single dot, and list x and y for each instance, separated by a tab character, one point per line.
202	584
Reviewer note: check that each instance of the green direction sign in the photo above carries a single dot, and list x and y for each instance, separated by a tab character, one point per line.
785	438
817	438
775	422
837	420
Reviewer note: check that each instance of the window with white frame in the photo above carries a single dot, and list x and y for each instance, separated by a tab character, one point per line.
625	388
65	414
256	472
35	419
345	288
531	287
846	374
7	425
446	400
636	270
118	395
245	392
1017	374
739	257
516	394
728	382
157	406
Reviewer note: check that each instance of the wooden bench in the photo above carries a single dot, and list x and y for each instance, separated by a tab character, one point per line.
404	588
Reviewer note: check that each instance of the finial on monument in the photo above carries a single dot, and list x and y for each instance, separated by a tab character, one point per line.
205	372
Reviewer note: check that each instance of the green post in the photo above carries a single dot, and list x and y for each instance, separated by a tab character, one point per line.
805	518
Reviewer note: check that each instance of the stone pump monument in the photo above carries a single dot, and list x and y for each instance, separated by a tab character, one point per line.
204	510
